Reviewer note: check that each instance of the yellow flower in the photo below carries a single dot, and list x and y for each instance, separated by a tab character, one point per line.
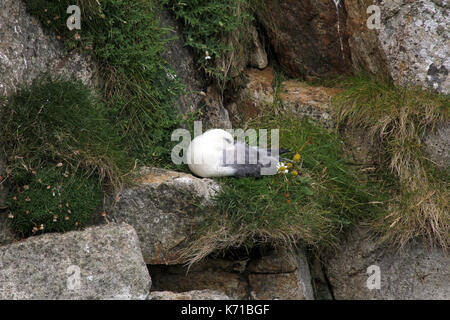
294	173
289	165
297	157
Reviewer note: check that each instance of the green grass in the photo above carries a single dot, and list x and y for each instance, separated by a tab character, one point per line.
313	208
126	39
97	136
55	121
397	119
61	149
218	29
53	199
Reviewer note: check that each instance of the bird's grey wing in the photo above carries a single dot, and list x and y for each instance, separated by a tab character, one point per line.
243	159
248	161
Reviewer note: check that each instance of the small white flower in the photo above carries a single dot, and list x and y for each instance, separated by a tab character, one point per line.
207	56
281	167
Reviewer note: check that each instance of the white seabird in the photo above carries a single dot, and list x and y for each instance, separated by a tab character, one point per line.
216	154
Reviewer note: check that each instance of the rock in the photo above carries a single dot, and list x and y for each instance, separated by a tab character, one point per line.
258	56
183	61
214	113
296	97
77	66
107	259
411	45
281	275
417	272
247	51
212	277
366	52
189	295
308	37
161	206
6	229
278	274
319	279
7	234
277	261
278	286
438	145
27	51
308	101
363	148
256	94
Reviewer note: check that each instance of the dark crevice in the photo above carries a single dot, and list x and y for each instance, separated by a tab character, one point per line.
327	281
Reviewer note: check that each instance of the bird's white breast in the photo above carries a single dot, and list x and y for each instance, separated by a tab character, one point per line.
205	153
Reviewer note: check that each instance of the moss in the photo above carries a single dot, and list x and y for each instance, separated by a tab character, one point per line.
53	199
61	149
56	121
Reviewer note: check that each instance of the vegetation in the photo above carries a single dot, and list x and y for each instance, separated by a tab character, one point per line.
60	147
319	197
397	118
99	138
53	199
127	40
217	30
65	144
55	121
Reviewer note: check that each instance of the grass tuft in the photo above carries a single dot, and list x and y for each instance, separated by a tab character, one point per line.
127	40
313	207
59	121
398	119
53	199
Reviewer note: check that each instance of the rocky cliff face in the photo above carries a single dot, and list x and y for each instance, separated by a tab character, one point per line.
417	272
98	263
161	206
182	59
309	37
150	220
410	43
26	51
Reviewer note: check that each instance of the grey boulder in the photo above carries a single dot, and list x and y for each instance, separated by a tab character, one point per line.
162	206
98	263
